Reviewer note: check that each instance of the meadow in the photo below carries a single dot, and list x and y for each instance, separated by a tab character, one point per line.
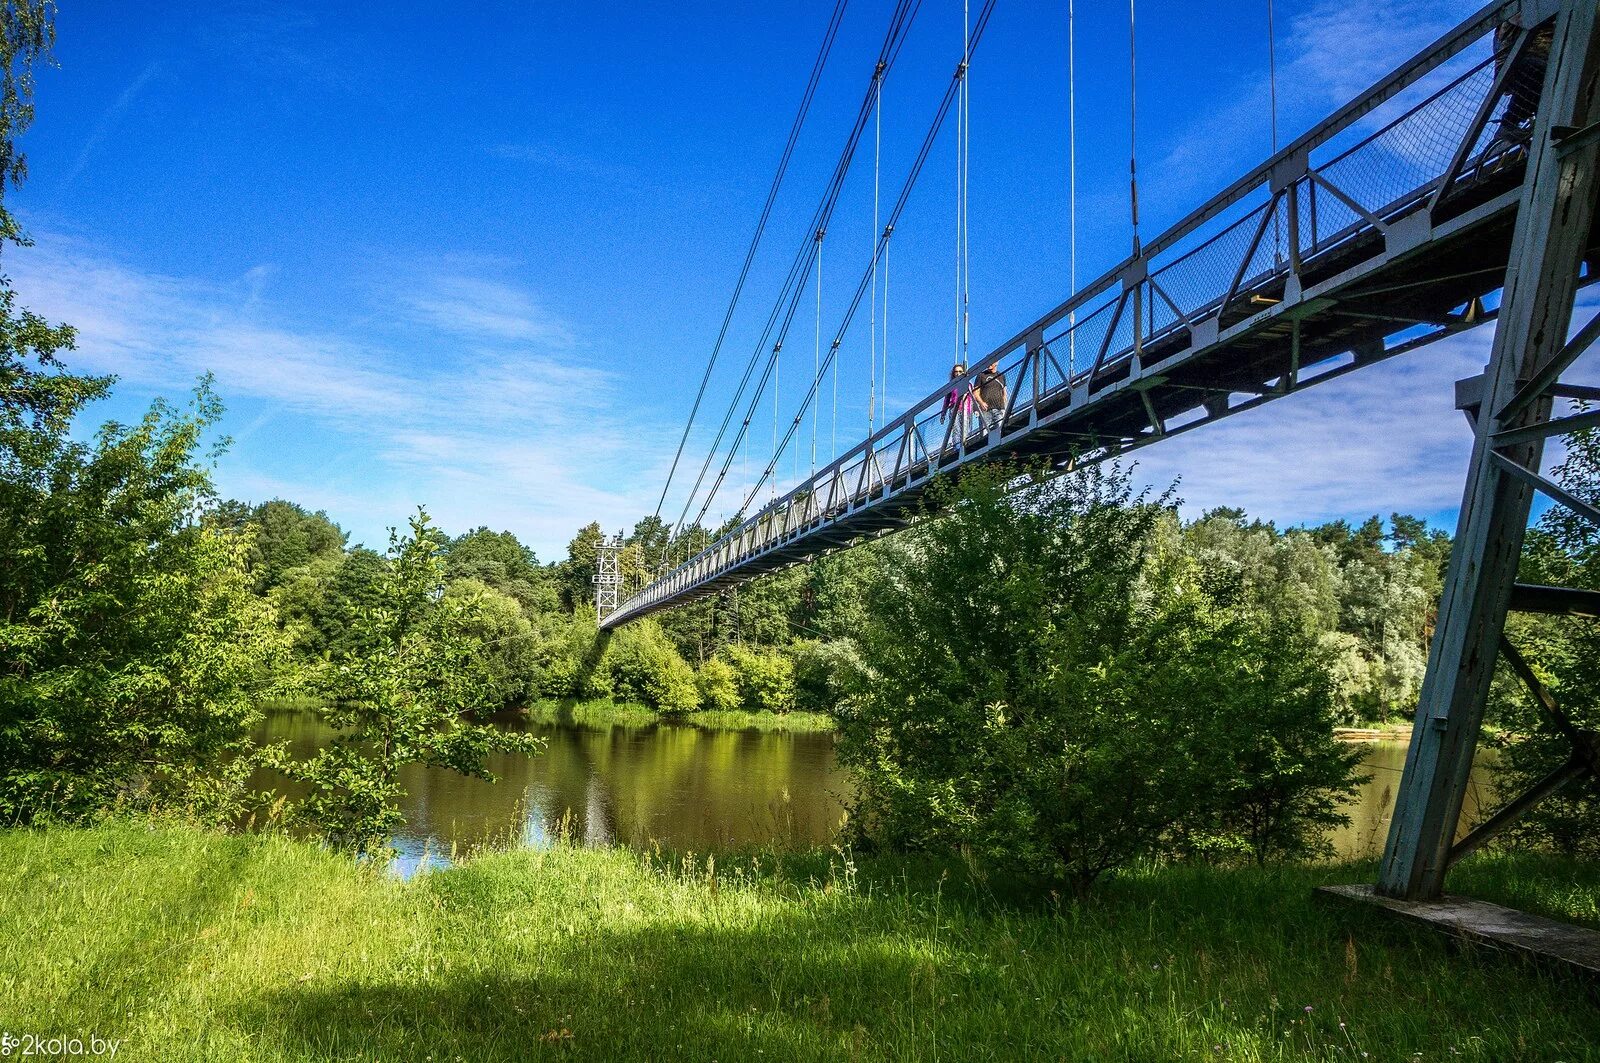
189	945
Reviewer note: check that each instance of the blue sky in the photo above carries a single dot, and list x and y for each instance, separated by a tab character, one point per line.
475	257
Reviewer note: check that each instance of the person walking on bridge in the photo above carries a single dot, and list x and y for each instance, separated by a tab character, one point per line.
991	397
958	401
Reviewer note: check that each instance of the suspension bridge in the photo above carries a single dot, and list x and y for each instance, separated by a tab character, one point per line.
1457	190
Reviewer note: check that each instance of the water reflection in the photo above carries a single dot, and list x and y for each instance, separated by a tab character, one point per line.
1373	806
672	784
688	788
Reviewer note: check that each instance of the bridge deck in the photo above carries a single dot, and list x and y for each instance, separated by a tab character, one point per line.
1303	270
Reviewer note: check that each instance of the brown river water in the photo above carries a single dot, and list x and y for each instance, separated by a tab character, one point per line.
684	787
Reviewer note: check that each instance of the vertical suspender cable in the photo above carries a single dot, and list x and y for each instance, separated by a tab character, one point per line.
1272	91
883	378
1072	184
1272	75
872	335
816	352
776	367
1133	126
833	444
961	186
967	141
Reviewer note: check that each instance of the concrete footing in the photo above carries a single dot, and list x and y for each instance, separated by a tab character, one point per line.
1559	944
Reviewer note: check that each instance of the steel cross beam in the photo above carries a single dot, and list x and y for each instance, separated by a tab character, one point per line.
1553	224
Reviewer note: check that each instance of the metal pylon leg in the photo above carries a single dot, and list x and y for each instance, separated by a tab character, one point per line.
1552	231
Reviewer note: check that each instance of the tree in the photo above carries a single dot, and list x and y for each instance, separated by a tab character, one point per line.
651	536
499	560
408	697
504	664
38	398
1562	550
288	537
1051	689
577	572
134	651
130	649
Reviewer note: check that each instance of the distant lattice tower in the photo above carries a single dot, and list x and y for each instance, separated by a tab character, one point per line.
608	575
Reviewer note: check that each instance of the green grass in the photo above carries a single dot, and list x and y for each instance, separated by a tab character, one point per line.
194	946
597	713
602	714
761	721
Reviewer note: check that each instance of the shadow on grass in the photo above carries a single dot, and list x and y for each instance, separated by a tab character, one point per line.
831	961
646	993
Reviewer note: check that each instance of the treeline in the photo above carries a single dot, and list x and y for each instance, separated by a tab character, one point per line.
1365	593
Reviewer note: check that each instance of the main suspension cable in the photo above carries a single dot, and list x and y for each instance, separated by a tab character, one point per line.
761	226
894	41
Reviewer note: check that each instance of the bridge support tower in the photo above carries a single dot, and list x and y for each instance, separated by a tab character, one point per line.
607	576
1510	407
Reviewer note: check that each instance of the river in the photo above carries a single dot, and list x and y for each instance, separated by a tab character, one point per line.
688	788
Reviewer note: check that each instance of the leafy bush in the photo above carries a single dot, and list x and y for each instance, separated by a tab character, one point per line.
719	686
566	659
825	673
1053	692
644	667
765	678
135	651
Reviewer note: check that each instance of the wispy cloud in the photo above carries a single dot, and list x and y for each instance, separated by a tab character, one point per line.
491	414
1327	55
107	123
473	306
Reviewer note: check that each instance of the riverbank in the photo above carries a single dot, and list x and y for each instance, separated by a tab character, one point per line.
602	713
193	946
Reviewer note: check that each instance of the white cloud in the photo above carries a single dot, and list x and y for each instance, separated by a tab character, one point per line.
1383	439
490	415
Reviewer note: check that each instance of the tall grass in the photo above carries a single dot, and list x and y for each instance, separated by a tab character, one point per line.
193	946
595	713
800	722
602	713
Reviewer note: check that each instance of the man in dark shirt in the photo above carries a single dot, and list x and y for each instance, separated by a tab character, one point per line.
991	396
